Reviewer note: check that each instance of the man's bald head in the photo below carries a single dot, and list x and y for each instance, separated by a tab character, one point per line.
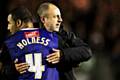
43	9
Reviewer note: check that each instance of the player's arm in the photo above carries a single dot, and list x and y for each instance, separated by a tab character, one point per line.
72	52
54	57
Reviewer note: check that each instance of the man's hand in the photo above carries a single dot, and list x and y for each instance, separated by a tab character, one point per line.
54	57
21	67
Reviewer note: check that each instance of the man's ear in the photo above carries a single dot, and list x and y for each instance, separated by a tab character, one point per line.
42	19
18	23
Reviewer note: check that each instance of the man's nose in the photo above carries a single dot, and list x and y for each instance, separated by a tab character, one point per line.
8	28
60	19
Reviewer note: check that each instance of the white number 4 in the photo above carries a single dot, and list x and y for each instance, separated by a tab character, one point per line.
37	66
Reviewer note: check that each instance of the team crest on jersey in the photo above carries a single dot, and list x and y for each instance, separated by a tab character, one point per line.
31	34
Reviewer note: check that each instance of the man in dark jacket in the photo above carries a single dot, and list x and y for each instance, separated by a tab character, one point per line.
71	50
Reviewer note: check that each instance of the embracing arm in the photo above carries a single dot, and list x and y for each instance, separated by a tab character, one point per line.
77	51
72	51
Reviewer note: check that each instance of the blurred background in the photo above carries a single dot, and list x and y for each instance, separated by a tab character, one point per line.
97	22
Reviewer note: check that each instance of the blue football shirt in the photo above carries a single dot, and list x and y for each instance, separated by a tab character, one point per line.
32	46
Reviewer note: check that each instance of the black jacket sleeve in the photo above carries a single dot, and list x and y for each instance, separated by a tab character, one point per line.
8	71
73	49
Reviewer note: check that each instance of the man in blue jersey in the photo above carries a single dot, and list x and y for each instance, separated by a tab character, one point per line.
18	19
71	50
28	47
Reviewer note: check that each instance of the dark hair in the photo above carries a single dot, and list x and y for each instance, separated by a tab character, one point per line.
21	13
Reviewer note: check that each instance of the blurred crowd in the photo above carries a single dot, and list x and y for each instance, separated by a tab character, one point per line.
95	21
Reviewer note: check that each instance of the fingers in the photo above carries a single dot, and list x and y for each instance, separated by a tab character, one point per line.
55	49
21	67
56	61
22	71
54	57
55	54
16	60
